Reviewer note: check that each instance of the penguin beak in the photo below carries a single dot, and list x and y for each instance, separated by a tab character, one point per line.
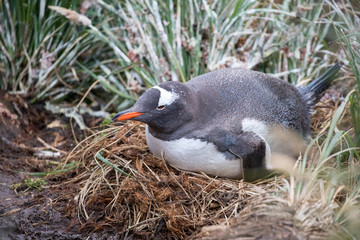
125	115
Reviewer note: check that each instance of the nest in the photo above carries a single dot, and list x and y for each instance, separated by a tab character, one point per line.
126	188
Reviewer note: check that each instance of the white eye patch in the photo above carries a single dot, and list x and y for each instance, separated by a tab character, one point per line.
166	97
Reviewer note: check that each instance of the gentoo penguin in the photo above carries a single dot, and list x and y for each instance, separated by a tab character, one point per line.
220	123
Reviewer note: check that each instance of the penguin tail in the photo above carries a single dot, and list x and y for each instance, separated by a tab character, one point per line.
315	90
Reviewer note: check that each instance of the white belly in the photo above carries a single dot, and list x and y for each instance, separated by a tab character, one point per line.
194	155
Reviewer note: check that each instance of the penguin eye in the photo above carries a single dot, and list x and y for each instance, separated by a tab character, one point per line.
161	107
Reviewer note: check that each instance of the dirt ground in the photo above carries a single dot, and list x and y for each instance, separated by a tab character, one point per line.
25	131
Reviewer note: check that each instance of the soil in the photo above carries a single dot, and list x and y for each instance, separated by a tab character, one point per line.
25	131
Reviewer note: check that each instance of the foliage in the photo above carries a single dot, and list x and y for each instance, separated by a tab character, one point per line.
107	120
36	45
133	45
350	38
28	185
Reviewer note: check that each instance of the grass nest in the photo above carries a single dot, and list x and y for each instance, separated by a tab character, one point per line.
126	188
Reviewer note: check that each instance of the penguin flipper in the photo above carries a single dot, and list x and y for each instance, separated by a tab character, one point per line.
251	149
247	146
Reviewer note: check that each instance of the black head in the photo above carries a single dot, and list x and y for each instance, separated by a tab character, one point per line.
164	108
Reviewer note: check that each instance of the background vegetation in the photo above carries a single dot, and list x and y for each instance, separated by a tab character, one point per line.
133	45
121	48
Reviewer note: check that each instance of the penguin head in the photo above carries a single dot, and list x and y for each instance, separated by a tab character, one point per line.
164	108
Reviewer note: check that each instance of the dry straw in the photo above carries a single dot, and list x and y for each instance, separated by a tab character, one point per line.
152	197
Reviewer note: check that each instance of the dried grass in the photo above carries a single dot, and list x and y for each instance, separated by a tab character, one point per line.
269	217
156	199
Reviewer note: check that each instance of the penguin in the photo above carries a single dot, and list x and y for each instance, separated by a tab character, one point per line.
222	123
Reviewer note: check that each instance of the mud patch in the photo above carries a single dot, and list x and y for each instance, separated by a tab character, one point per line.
26	130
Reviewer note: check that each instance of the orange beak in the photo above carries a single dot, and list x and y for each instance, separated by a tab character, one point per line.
125	115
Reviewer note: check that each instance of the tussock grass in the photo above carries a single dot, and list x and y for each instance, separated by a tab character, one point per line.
131	46
350	39
35	47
